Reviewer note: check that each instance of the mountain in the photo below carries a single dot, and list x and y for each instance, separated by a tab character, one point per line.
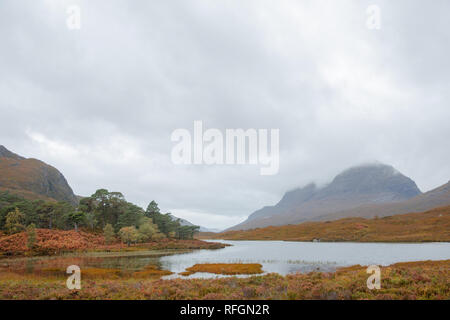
435	198
366	185
32	178
184	222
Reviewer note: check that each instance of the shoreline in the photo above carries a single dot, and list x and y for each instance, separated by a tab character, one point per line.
328	241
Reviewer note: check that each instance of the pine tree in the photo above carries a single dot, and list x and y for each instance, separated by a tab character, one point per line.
14	221
152	209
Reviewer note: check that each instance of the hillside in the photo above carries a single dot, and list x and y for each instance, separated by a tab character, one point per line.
433	225
437	197
363	191
33	179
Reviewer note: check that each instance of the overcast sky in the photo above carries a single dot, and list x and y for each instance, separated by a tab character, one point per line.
100	103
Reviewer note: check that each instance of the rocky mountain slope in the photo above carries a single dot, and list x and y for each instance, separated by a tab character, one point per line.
32	178
367	186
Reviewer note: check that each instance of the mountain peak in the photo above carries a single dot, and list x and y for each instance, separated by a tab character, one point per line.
374	168
367	174
374	178
5	153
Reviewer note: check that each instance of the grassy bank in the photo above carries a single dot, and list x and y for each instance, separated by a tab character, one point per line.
433	225
416	280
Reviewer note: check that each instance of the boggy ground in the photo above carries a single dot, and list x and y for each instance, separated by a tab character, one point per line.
413	280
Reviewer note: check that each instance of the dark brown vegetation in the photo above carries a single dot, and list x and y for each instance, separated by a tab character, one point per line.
432	225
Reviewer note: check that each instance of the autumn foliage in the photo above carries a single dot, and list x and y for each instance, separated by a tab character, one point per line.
51	242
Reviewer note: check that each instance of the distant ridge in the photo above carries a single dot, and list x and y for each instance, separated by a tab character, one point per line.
33	178
185	222
358	191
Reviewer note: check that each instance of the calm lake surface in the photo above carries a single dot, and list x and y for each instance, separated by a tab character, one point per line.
285	257
282	257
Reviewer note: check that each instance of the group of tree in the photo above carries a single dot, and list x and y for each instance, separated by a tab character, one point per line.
103	211
16	213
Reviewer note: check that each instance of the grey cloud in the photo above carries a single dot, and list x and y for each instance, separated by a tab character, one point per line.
100	103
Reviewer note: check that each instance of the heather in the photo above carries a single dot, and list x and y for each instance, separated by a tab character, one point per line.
52	242
414	280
